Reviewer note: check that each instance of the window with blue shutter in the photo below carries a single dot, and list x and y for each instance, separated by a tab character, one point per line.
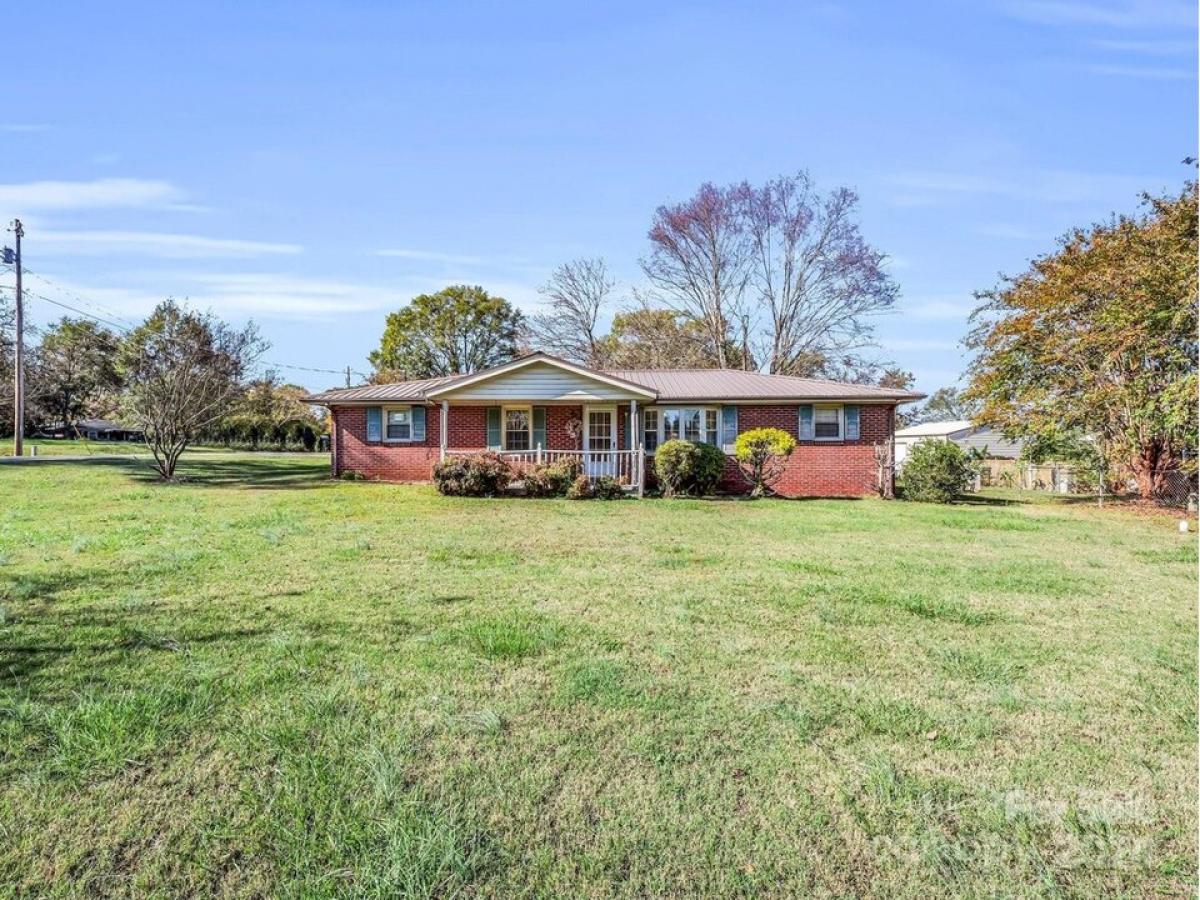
851	414
493	428
729	427
418	423
539	427
806	422
374	423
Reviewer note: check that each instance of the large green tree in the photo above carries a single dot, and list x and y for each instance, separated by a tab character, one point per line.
1099	338
77	372
458	330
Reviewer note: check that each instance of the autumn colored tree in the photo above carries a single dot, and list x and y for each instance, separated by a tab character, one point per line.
458	330
700	260
815	280
1100	338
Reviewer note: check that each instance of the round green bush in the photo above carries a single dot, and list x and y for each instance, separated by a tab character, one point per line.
935	472
478	475
687	469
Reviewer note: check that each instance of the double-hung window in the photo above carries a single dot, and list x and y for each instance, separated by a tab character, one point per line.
518	428
827	423
398	423
650	430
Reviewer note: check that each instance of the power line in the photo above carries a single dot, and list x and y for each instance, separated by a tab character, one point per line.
124	329
74	296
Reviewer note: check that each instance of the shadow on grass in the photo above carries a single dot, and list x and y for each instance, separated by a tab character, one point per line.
266	472
244	473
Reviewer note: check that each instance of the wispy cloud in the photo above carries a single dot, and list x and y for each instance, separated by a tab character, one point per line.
1150	72
1147	47
98	194
166	246
1044	185
1124	14
431	256
286	296
22	127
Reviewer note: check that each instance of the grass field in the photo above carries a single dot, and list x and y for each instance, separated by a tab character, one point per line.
261	682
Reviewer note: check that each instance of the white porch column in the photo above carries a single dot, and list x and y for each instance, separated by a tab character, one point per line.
635	471
443	428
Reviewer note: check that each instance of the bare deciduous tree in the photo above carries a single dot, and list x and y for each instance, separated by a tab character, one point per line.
182	370
816	279
578	291
699	259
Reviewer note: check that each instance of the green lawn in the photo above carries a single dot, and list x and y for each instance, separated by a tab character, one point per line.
77	447
262	682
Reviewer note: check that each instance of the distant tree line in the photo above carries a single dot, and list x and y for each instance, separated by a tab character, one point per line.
180	377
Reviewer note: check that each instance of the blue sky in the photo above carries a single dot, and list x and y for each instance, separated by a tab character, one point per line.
313	166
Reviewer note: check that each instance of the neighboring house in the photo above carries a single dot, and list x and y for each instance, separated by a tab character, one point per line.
961	432
539	408
93	430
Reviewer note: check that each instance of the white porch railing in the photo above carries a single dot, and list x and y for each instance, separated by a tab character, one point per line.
627	467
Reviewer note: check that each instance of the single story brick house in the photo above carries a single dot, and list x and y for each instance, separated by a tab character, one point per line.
540	408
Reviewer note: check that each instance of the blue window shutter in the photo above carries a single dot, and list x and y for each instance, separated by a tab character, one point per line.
374	423
729	426
539	427
851	415
418	423
807	432
493	428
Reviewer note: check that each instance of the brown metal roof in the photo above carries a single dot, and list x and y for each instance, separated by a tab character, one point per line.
400	390
669	384
734	384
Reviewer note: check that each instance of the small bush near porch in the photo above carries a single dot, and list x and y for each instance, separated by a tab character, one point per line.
263	682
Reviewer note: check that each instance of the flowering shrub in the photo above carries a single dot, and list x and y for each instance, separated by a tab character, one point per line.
478	475
761	454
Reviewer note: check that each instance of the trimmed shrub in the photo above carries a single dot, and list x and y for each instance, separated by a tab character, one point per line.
684	468
607	488
580	489
935	472
552	479
478	475
761	454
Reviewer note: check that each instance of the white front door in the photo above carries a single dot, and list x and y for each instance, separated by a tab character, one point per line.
600	440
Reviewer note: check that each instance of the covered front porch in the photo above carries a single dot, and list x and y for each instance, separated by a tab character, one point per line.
537	412
602	439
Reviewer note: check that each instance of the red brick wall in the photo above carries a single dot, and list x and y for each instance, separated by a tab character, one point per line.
818	468
389	462
815	469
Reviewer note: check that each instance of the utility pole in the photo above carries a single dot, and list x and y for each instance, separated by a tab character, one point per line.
347	376
19	375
